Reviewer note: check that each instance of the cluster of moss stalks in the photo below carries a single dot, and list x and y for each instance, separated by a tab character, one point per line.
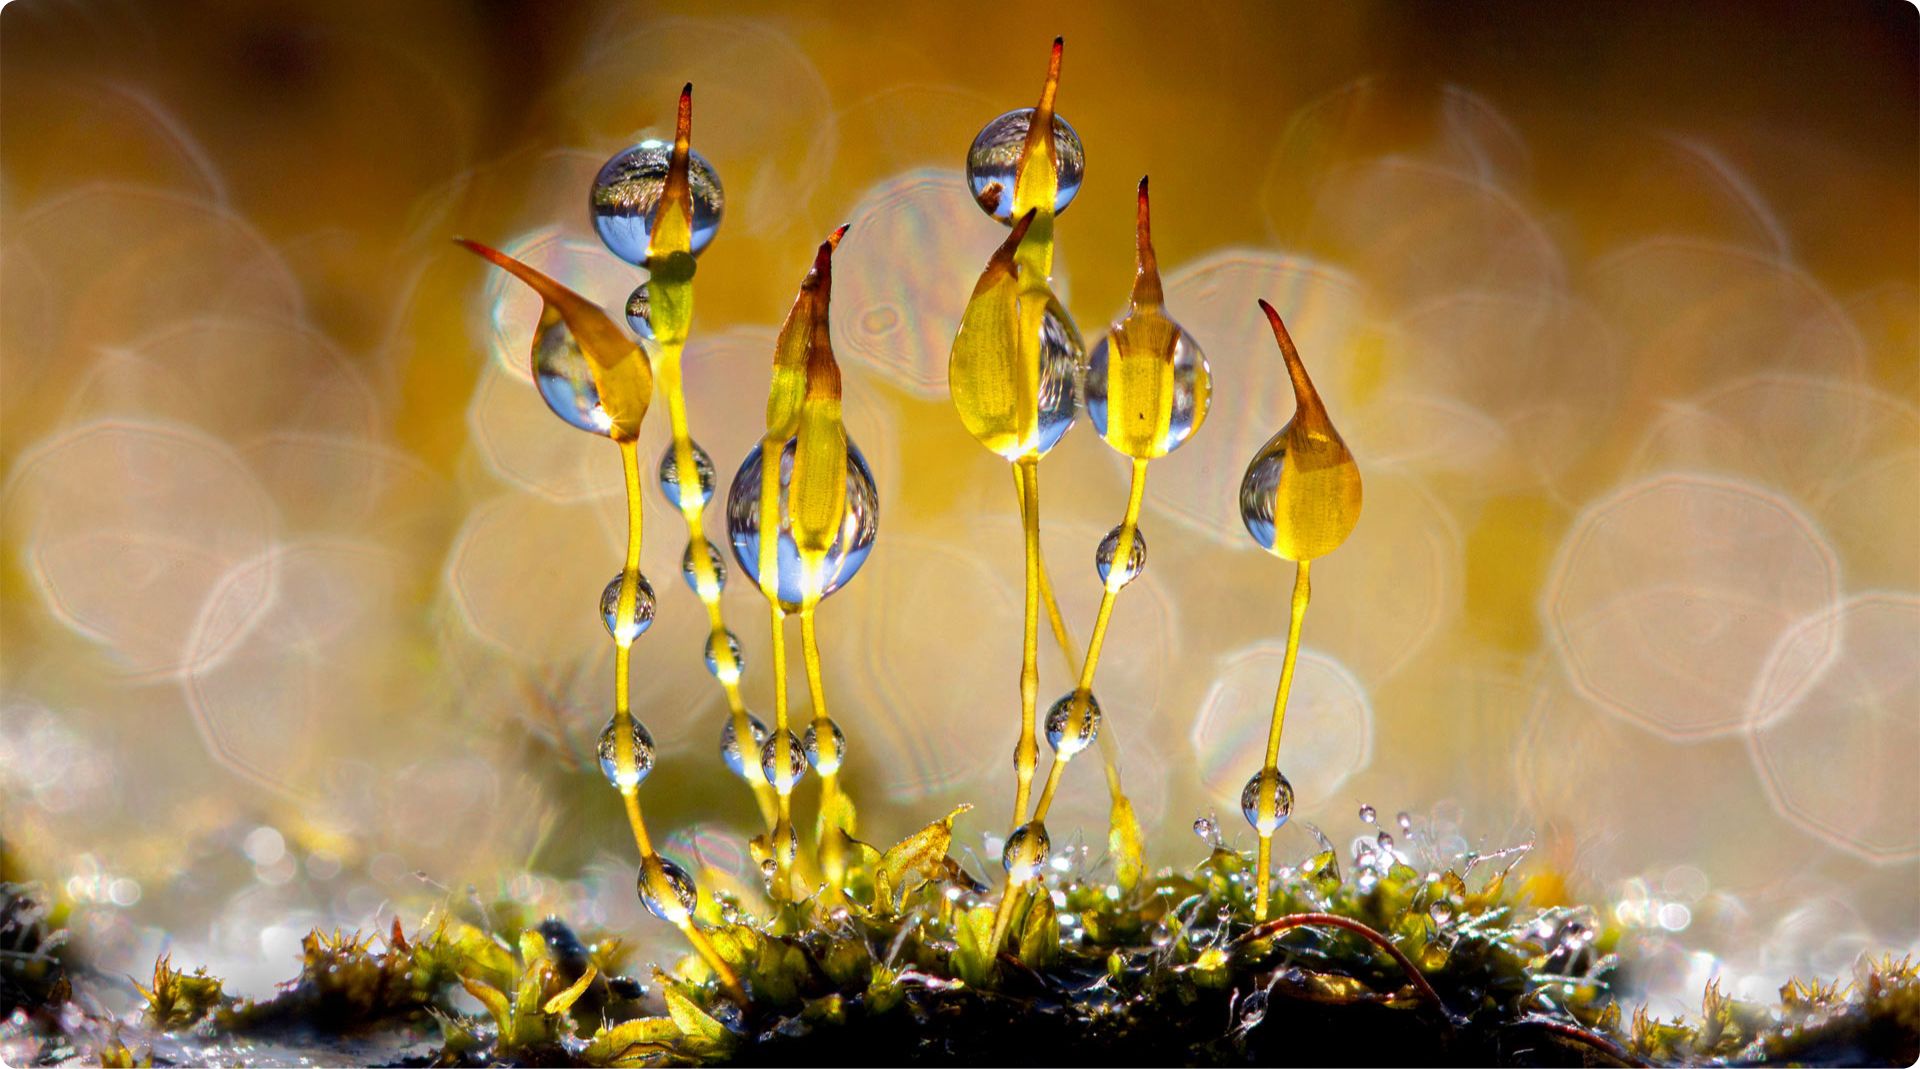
1385	965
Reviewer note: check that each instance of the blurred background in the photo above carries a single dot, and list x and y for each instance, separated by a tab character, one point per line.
1615	303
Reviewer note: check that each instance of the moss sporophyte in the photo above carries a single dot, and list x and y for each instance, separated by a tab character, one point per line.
1397	953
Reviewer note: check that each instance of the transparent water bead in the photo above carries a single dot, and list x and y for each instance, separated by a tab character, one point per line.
859	526
783	776
1026	852
731	753
1208	830
666	889
627	190
692	575
610	758
564	376
640	312
1130	569
1367	814
1062	355
825	760
725	673
1073	725
669	476
643	609
1267	821
1192	389
993	162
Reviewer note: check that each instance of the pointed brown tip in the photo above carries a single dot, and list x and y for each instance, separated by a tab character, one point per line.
1279	328
1303	392
838	233
485	252
1052	85
683	122
823	256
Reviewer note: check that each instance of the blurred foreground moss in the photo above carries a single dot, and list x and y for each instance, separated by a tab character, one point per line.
1381	965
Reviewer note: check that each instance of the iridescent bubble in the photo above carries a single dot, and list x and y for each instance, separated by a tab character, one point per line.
1191	388
666	889
691	573
609	747
825	760
1072	723
640	312
859	526
1109	549
627	190
643	609
731	753
1025	854
725	673
993	162
670	477
783	774
1267	801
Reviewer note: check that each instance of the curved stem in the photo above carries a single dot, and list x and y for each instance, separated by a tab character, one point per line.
1302	589
1580	1035
1334	920
1027	751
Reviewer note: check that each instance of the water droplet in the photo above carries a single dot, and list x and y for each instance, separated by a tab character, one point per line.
1062	354
670	477
1405	822
564	376
730	753
859	526
642	609
1367	814
692	575
783	776
610	758
725	673
993	162
666	889
628	189
1385	842
1311	511
1208	830
1192	390
1441	912
1136	561
825	760
789	840
640	312
1026	852
1267	801
1073	725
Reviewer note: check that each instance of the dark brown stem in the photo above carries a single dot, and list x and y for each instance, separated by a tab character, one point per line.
1591	1039
1334	920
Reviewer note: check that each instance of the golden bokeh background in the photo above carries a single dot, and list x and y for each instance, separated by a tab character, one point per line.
1616	304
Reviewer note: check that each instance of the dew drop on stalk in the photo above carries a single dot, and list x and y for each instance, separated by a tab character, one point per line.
725	673
643	609
1267	819
783	776
993	162
640	312
666	889
825	760
1072	726
1026	852
1191	394
1062	354
731	753
1130	569
859	526
669	475
1367	814
692	574
1441	912
610	754
627	191
1208	830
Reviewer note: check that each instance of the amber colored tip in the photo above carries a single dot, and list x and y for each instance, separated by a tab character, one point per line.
1052	85
1143	225
683	123
1303	390
838	233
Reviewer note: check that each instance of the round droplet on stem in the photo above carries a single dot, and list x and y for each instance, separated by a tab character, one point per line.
826	759
1026	852
1073	723
666	889
627	191
993	162
669	475
1130	569
1367	814
1192	391
787	841
783	774
609	753
1267	801
643	609
691	574
1208	830
724	671
731	753
859	527
640	312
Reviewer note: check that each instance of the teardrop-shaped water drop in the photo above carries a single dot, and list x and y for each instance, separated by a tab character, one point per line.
691	573
783	774
724	672
640	312
666	889
669	477
1300	497
1062	355
1130	569
1073	723
826	759
993	162
608	752
565	377
627	191
731	753
859	526
1267	801
643	609
1025	854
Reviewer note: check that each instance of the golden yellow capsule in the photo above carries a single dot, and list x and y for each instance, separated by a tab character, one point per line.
1301	495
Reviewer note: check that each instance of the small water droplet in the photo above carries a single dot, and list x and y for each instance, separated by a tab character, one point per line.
1073	725
640	312
725	673
643	609
993	162
1367	814
669	477
1405	822
609	753
1208	829
1385	843
1267	801
783	776
666	889
692	574
1136	562
1441	912
1026	852
628	189
730	753
825	760
859	526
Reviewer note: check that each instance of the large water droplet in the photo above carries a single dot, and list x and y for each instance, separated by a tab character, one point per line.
692	574
1130	569
628	189
643	609
1026	852
1266	815
1072	724
640	312
783	774
669	475
565	377
610	758
730	751
993	162
666	889
1192	391
859	526
725	673
826	759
